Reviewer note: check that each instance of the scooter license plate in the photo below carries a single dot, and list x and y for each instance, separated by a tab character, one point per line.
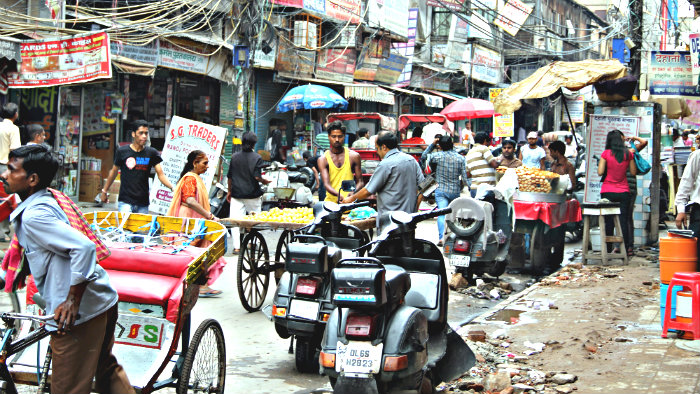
460	260
304	309
359	357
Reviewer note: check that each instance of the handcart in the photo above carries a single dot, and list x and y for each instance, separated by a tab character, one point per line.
254	264
543	217
157	268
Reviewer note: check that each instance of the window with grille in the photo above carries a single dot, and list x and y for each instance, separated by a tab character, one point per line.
306	31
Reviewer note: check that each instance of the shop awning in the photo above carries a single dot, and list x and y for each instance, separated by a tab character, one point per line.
131	66
369	92
430	100
9	49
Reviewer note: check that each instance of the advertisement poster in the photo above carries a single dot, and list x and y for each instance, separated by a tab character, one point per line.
503	126
575	107
486	65
67	60
600	125
389	69
182	57
146	54
184	136
344	10
671	74
406	49
512	16
293	61
336	65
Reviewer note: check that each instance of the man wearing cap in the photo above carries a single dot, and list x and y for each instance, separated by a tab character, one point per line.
532	155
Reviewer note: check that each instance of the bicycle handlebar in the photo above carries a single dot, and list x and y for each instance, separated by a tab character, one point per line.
24	316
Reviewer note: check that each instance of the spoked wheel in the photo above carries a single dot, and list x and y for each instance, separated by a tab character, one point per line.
281	253
204	369
253	271
9	302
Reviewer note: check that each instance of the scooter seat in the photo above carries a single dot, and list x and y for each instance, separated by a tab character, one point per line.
398	281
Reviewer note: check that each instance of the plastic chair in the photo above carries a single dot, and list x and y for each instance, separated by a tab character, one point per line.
690	280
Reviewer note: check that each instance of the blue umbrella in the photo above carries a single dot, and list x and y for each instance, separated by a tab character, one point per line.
311	97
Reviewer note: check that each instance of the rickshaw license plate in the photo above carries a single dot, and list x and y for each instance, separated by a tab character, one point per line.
359	357
304	309
460	260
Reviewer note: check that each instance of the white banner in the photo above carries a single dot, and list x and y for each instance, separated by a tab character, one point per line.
182	57
512	16
600	125
486	65
184	136
695	54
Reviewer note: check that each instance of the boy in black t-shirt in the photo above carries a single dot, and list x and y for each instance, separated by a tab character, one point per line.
135	162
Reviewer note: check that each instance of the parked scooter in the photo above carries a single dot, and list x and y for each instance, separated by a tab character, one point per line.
480	235
302	303
389	330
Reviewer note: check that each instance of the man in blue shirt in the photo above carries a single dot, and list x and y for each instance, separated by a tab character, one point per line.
449	167
77	290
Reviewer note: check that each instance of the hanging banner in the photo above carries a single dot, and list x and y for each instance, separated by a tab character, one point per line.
598	129
10	50
512	16
62	61
503	126
575	107
184	136
671	74
389	69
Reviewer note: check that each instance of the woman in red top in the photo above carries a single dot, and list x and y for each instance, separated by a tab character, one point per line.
191	200
614	163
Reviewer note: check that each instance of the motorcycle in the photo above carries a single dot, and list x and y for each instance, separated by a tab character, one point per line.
302	303
480	233
389	330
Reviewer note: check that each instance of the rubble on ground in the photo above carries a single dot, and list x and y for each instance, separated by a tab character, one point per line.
494	290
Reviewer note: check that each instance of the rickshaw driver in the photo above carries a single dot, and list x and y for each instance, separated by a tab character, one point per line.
339	164
77	291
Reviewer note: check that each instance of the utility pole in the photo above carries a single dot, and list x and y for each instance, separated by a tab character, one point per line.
637	21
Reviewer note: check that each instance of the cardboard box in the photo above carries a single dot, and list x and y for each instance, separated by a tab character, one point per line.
113	191
90	185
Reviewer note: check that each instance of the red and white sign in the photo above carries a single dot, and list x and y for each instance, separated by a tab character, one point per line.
512	16
67	60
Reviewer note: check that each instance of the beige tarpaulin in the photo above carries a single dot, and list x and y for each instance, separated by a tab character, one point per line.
548	79
131	66
673	107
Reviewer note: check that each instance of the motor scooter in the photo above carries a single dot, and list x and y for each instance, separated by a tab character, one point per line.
302	304
480	233
389	330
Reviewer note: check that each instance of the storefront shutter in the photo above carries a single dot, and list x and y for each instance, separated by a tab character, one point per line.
268	93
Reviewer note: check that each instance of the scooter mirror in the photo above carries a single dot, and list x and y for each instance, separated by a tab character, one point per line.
330	206
401	217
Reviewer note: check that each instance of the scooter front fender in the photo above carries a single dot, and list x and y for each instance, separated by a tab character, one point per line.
348	385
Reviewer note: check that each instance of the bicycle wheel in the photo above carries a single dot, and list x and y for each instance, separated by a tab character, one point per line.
9	302
204	369
253	271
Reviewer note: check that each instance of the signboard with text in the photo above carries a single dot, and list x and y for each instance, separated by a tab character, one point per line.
184	136
600	125
671	74
336	64
389	69
61	61
455	5
182	57
512	16
695	54
389	14
503	126
143	53
486	65
575	107
406	49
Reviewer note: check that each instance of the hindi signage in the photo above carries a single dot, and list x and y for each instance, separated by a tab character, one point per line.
60	61
455	5
145	54
486	65
184	136
336	64
600	125
503	126
10	50
512	16
183	57
575	107
671	74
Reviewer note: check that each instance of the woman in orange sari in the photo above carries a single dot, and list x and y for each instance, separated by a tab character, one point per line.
191	200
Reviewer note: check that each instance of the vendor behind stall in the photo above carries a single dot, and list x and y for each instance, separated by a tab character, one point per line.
507	157
560	164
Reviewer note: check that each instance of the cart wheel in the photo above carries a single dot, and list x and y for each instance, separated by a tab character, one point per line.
540	252
9	302
204	369
253	271
305	356
281	253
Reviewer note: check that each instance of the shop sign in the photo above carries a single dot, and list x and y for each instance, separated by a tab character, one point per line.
503	126
344	10
183	57
512	16
389	14
480	27
423	78
366	68
575	107
438	52
262	60
66	60
486	65
184	136
455	5
389	69
145	54
695	54
295	62
406	48
336	64
458	52
671	74
40	106
10	50
600	125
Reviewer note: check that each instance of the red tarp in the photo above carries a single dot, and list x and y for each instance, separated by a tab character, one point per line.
553	214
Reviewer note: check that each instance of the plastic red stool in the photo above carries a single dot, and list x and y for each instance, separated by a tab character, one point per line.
690	280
